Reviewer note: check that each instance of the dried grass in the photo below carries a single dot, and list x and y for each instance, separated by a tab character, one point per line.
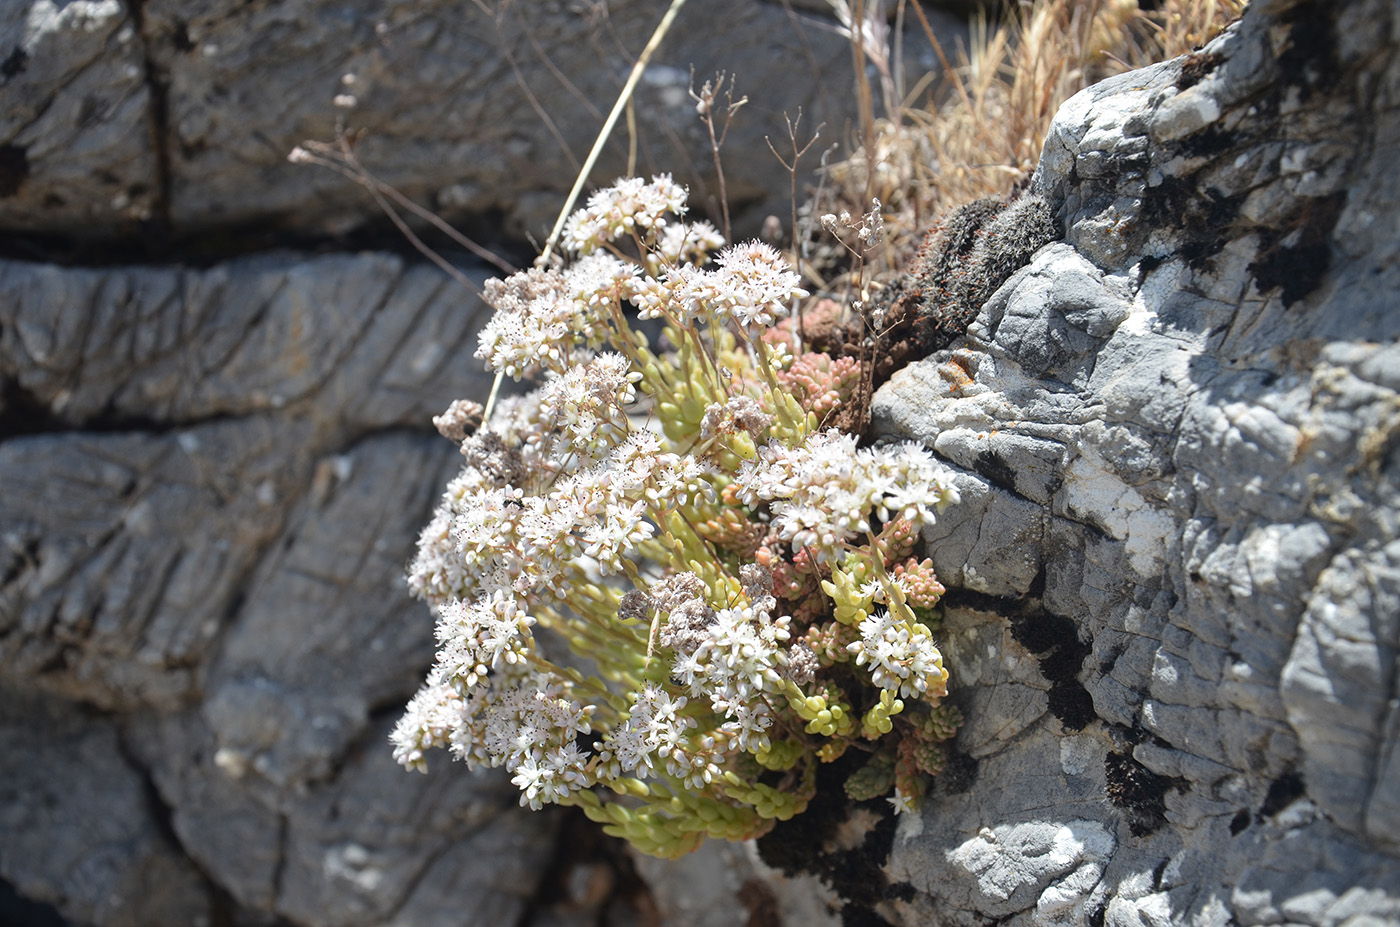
981	133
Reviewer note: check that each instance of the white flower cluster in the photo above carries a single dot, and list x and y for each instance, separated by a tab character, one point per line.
737	662
545	317
576	514
751	286
630	206
533	325
588	403
901	655
756	287
656	730
826	491
685	244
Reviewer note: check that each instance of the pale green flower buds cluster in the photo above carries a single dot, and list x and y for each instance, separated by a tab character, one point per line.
731	575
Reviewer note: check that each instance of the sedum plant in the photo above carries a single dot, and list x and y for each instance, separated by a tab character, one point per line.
664	592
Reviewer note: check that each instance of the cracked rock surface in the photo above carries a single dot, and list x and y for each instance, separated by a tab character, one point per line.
168	112
205	518
1174	615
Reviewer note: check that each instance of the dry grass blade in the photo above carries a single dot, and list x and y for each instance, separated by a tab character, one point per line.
340	157
641	65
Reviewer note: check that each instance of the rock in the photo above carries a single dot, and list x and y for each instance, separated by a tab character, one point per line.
79	829
110	596
1172	596
370	845
76	143
204	530
166	457
725	883
1191	405
351	338
169	112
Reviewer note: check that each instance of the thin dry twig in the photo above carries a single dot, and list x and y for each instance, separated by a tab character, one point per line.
705	105
524	86
642	60
797	153
340	157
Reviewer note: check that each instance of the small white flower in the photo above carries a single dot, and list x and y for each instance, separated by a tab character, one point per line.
902	802
617	531
755	286
427	722
691	242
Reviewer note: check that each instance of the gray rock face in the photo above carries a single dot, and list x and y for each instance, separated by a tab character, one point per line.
76	142
174	111
64	773
1176	622
203	535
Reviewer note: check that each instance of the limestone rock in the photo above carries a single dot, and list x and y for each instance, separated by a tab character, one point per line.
76	144
79	829
1172	608
369	845
1191	406
169	112
725	883
213	479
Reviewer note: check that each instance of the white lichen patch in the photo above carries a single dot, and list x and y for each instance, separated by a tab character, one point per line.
1094	493
353	863
1077	753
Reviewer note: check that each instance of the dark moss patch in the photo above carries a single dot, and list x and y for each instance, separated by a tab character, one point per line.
1283	791
795	846
1072	704
1210	142
1294	258
1054	640
1147	265
964	261
1309	61
1140	792
1195	68
1239	822
801	845
1205	216
994	467
959	774
861	917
